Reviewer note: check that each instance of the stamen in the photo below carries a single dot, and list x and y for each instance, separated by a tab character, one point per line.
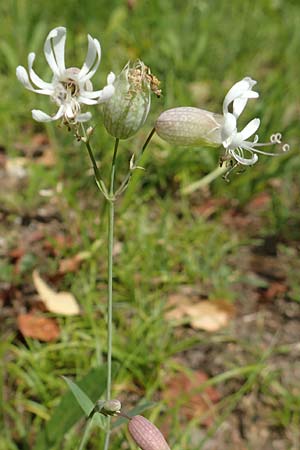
231	166
285	147
276	138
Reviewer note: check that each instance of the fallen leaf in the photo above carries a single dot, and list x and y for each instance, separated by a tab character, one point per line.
16	168
209	207
16	253
260	202
200	314
37	327
71	264
47	158
275	289
182	391
56	302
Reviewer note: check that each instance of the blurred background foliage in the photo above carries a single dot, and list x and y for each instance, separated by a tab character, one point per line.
198	49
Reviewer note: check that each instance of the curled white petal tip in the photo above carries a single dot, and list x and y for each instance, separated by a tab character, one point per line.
40	116
92	59
238	95
84	117
111	78
106	93
22	76
56	31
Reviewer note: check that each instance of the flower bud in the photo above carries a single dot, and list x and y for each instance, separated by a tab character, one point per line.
188	126
126	111
111	407
146	435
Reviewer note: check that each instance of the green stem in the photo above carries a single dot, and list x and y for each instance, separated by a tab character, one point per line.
100	183
86	435
111	201
129	174
205	180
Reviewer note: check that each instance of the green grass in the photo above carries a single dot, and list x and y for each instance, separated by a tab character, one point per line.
165	243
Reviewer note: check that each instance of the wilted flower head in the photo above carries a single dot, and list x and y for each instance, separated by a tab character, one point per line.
70	87
127	110
146	435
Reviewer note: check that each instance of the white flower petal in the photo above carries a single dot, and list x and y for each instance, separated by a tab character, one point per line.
238	90
56	37
239	106
229	128
35	78
83	117
111	78
59	48
90	66
249	129
22	76
244	161
70	111
96	94
89	94
83	98
106	93
40	116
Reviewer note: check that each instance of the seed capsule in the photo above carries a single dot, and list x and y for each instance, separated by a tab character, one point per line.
188	126
146	435
126	111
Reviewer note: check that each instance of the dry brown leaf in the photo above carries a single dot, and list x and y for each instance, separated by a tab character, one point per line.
71	264
259	202
36	327
56	302
208	315
201	315
182	390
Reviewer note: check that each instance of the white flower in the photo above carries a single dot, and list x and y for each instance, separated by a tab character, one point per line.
236	142
70	87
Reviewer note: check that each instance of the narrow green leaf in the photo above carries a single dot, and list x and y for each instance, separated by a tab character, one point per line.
83	400
68	412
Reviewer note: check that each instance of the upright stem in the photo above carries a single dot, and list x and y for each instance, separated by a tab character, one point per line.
86	434
111	209
129	174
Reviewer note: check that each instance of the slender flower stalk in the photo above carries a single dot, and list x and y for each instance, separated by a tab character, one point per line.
111	212
133	164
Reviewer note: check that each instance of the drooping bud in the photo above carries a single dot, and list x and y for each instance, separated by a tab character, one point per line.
146	435
106	407
188	126
126	111
111	407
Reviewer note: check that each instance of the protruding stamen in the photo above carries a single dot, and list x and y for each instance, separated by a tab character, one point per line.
285	147
276	138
